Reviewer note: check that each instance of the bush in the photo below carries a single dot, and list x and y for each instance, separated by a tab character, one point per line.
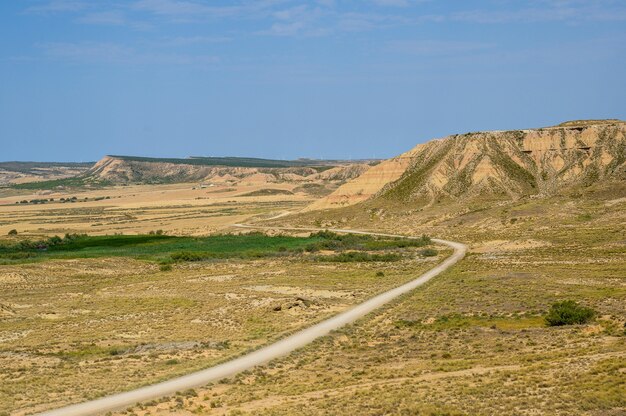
568	312
356	256
380	274
165	267
13	232
54	241
429	252
187	256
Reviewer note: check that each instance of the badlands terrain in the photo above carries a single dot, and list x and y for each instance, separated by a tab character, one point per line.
543	212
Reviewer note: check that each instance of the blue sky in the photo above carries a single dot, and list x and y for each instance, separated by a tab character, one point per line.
287	78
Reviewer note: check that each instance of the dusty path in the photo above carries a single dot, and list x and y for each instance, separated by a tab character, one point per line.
265	354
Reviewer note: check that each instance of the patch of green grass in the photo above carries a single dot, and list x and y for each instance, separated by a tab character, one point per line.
456	321
154	247
167	249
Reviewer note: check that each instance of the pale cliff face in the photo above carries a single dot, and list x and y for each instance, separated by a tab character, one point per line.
510	164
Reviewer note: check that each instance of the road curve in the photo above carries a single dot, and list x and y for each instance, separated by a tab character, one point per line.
263	355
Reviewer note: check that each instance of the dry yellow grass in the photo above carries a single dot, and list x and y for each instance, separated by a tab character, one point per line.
472	341
73	330
177	209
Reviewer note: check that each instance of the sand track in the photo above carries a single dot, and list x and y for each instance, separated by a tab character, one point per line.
269	352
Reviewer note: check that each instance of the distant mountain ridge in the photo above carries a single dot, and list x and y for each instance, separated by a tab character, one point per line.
504	164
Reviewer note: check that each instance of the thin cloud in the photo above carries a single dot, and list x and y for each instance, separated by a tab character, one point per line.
112	53
170	7
87	51
194	40
437	47
285	29
114	18
299	21
58	6
566	11
185	9
392	3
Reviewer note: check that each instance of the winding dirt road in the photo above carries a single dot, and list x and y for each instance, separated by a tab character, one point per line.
265	354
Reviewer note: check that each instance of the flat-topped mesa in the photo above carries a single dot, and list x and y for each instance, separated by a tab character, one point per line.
130	169
509	164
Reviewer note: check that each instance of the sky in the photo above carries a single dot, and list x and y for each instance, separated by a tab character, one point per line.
341	79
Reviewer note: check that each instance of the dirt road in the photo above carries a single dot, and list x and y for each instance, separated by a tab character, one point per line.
265	354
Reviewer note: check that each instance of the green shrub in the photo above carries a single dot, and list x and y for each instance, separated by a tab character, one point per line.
165	267
55	240
429	252
356	256
568	312
380	274
187	256
115	351
13	232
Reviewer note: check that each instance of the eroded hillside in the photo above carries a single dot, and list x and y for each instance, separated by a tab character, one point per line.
124	170
501	164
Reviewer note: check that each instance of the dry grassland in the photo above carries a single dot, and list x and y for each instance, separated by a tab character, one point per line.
471	342
177	208
72	330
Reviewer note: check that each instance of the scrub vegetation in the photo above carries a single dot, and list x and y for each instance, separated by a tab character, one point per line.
153	306
155	246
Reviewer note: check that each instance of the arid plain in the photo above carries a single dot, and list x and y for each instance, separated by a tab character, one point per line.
542	211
